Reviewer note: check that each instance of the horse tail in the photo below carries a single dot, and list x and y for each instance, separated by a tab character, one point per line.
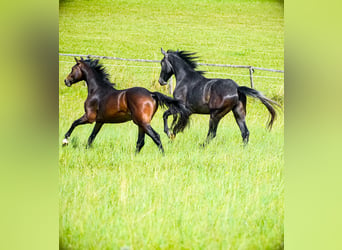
176	107
266	101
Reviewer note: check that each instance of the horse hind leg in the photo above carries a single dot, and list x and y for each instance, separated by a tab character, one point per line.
141	140
143	119
154	136
239	112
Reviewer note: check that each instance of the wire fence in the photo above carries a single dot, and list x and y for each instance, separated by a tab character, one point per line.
250	68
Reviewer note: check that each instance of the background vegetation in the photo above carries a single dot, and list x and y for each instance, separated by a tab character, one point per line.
223	196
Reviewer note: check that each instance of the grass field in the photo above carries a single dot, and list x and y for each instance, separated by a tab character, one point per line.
224	196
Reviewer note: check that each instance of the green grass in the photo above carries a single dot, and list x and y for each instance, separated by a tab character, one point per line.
224	196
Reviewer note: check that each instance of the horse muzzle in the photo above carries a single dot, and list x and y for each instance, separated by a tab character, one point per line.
162	82
67	82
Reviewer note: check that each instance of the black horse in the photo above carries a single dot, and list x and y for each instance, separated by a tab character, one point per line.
201	95
105	104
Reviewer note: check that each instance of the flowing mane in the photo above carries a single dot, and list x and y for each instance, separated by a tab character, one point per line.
100	71
189	58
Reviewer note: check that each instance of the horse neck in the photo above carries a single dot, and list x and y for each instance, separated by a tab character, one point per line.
182	70
90	79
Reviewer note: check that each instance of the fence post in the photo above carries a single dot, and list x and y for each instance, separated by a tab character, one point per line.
251	76
170	86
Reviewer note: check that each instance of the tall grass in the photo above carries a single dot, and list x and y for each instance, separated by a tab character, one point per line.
224	196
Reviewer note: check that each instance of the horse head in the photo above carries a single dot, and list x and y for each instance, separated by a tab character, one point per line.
166	69
76	74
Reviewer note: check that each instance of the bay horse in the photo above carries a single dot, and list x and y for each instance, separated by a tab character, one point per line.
201	95
105	104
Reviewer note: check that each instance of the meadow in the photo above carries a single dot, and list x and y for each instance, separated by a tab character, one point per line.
224	196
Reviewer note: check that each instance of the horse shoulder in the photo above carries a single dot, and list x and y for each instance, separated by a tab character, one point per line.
180	93
91	107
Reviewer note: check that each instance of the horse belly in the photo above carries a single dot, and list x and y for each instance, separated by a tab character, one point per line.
199	109
116	115
198	104
119	117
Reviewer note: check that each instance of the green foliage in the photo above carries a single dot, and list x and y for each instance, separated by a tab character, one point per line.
224	196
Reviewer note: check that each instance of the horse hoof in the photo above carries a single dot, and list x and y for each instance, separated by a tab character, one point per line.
65	142
172	136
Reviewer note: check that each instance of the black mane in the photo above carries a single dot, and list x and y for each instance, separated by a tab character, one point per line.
189	58
100	70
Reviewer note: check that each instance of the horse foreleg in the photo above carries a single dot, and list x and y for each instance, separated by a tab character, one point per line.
166	114
80	121
93	134
173	134
215	118
213	123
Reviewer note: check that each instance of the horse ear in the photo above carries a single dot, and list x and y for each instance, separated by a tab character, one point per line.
163	52
76	60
